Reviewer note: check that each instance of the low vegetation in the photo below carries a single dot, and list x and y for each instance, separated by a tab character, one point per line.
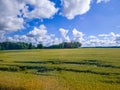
60	69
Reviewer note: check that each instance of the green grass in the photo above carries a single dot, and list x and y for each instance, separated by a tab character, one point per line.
60	69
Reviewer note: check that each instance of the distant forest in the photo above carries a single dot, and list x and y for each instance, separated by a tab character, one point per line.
23	45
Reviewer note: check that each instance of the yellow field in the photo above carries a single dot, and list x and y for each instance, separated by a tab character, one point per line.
60	69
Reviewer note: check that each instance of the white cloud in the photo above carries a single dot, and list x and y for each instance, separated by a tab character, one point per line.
64	33
9	9
11	12
109	36
41	31
2	38
71	8
57	41
92	37
110	39
42	9
77	35
105	1
40	35
36	36
117	40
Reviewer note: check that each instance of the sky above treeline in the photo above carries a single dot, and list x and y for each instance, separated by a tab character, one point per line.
91	22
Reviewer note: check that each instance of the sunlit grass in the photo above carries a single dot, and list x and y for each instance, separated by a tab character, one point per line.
60	69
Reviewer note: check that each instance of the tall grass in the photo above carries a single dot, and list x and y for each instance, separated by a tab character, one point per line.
60	69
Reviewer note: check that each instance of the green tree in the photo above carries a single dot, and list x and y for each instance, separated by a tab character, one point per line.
39	46
0	47
30	46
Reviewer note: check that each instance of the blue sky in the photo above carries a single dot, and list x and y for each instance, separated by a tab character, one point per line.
91	22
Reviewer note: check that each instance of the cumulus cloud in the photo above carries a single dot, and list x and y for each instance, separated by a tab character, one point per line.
2	38
110	36
77	35
41	31
71	8
40	35
13	11
105	1
64	33
117	40
41	9
36	36
9	9
57	41
110	39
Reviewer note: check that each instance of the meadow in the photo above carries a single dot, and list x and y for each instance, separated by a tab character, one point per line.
60	69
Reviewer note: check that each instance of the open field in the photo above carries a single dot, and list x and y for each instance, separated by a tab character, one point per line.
60	69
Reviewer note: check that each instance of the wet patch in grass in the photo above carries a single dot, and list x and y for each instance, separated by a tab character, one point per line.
43	69
84	62
12	68
111	81
1	60
2	87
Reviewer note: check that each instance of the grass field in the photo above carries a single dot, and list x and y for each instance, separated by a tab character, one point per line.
60	69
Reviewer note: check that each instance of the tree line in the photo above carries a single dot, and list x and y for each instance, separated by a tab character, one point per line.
66	45
23	45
